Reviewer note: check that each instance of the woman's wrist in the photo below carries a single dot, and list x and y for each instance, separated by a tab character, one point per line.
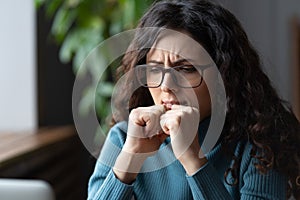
193	164
128	165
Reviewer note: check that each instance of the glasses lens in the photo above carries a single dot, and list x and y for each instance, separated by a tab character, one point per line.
148	76
184	76
154	75
187	76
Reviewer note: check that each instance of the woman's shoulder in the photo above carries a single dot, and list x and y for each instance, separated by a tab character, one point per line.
117	133
119	127
243	151
248	161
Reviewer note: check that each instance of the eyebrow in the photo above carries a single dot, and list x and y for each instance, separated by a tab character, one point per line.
155	62
177	62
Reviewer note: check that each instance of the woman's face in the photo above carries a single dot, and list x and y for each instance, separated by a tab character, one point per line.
172	51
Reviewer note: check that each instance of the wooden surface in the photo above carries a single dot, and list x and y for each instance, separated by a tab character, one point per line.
55	155
14	145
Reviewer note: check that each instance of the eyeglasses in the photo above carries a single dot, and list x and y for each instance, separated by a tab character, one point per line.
185	76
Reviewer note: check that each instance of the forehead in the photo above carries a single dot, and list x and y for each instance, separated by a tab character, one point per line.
178	45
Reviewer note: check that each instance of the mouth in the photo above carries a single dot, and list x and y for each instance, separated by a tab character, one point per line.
168	103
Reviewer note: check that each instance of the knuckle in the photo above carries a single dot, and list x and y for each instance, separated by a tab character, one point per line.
134	113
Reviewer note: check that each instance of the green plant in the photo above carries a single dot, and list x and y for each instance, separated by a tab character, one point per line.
79	26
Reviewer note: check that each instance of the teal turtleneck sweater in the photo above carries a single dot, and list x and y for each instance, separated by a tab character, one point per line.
171	182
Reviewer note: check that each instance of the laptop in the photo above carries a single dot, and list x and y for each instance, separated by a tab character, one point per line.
23	189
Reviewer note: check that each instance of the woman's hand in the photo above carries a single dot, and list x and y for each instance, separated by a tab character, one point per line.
148	127
144	137
181	123
144	133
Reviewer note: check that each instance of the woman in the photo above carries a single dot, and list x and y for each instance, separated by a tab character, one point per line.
257	154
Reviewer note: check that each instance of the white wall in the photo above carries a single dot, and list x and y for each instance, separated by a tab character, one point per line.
17	66
267	24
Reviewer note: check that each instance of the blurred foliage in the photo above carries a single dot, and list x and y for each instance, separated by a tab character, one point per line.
79	26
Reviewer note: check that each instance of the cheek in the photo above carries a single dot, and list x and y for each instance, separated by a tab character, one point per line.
155	93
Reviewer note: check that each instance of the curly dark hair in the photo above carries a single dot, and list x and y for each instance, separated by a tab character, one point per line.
255	112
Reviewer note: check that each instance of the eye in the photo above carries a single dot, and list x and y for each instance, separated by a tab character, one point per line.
154	69
186	69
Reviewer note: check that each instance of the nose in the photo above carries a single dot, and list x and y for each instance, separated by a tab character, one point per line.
168	83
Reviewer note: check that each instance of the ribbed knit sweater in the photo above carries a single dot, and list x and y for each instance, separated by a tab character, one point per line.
171	182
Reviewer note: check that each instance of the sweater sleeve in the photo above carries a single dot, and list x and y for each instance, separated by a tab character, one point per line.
107	186
205	184
252	185
272	185
103	183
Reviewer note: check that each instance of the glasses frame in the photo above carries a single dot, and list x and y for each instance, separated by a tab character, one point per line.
169	70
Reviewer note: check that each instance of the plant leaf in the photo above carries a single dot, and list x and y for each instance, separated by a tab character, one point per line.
62	22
